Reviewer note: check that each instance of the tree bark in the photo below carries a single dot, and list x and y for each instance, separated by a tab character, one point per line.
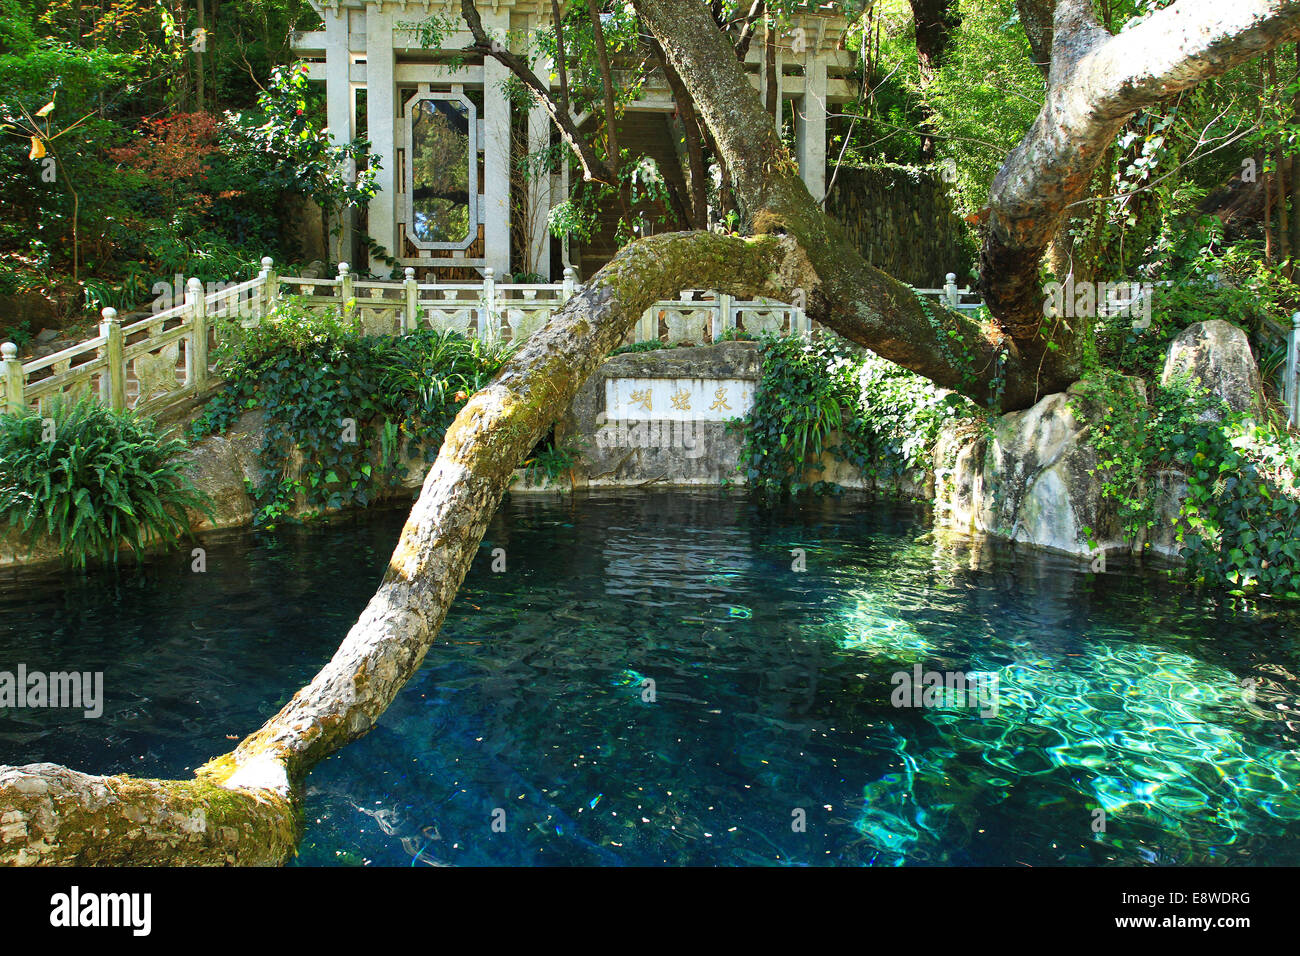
935	22
696	172
1095	82
244	807
613	157
1036	20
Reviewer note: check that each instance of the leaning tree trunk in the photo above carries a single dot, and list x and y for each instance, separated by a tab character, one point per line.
245	807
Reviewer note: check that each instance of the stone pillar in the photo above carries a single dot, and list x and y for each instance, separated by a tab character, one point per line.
339	112
496	155
14	379
112	353
810	126
196	353
381	111
539	187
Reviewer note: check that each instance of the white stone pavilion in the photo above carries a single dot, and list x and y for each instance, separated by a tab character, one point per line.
455	218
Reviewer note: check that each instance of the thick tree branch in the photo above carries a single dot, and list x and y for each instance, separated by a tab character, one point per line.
935	22
1036	19
1096	81
243	807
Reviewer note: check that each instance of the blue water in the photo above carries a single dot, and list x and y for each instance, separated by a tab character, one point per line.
1137	722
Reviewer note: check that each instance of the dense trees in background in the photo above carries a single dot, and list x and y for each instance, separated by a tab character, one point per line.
141	140
123	135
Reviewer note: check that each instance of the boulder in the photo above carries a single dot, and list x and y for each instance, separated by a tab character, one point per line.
1030	480
219	464
1218	354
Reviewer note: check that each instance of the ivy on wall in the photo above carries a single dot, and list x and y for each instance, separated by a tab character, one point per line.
352	406
1239	523
823	397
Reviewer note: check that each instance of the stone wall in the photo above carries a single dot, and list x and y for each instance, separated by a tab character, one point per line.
630	443
902	222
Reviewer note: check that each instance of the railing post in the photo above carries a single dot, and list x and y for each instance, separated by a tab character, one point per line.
950	294
570	284
800	323
487	316
722	318
345	288
1292	390
14	379
270	286
196	356
411	317
647	327
111	329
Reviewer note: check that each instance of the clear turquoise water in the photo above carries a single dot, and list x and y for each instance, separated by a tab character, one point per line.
1121	694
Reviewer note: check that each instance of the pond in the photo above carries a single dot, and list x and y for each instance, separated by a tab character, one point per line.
699	679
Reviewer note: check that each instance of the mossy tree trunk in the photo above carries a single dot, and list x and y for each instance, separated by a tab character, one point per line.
244	807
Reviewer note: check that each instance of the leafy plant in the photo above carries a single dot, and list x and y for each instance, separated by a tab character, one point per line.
821	397
90	480
1239	522
552	463
341	401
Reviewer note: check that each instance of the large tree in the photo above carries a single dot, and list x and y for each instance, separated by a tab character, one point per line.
244	807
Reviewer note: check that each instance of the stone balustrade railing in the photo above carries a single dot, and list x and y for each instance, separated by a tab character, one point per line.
157	360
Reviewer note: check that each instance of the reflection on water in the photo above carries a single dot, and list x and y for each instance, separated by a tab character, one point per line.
650	681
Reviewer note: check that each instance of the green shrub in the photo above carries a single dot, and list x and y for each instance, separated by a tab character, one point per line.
343	399
1239	524
90	479
820	396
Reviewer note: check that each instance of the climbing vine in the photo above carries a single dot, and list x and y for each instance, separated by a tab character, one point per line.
1239	523
823	397
354	408
952	346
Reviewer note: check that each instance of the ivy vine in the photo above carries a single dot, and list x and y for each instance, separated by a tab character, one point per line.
354	408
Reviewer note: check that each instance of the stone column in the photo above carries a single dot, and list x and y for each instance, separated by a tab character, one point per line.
496	155
810	125
339	115
381	110
539	185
